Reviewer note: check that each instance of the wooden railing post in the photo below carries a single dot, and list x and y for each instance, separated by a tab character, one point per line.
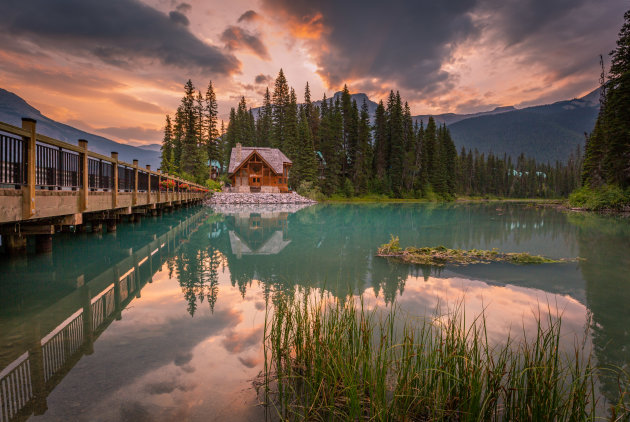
88	332
134	199
168	197
115	182
38	377
83	144
28	189
159	191
148	184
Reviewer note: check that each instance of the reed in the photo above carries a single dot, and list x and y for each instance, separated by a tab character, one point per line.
327	359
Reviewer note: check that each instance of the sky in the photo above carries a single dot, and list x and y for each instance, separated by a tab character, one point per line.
117	67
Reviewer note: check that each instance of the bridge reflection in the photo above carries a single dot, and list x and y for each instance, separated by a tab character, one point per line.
42	356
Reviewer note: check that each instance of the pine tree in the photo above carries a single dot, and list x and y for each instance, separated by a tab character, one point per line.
350	116
381	144
607	155
280	105
264	124
305	164
409	147
290	145
331	134
396	142
178	135
167	147
231	138
190	138
449	158
363	153
429	141
212	134
617	110
312	115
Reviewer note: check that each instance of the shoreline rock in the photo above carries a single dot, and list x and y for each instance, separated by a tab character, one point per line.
258	198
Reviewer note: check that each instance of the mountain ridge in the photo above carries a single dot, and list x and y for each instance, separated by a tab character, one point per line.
14	107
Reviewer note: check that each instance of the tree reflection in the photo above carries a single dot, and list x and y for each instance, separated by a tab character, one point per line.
196	264
604	245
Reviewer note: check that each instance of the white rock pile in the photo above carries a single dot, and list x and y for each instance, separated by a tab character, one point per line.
258	198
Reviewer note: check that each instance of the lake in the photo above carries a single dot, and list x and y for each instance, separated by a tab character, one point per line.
163	319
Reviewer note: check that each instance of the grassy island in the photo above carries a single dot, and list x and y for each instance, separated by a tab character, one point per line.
440	255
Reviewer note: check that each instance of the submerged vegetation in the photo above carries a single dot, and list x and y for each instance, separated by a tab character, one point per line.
440	255
339	360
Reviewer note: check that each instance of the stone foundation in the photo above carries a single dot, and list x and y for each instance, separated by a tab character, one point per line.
258	198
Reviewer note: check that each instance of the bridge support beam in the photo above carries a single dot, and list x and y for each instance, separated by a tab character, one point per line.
97	227
111	226
43	243
16	244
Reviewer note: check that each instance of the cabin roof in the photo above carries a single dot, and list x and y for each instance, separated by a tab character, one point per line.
273	156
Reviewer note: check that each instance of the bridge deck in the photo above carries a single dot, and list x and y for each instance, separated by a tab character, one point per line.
45	182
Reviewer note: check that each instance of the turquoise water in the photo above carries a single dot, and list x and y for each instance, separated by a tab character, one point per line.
163	319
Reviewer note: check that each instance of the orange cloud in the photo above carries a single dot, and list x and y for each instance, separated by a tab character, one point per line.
307	28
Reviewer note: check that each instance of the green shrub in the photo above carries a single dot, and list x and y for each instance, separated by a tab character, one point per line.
607	197
213	185
310	191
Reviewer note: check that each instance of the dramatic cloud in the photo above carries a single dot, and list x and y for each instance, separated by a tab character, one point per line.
428	49
263	79
406	43
121	33
178	18
249	16
183	8
236	38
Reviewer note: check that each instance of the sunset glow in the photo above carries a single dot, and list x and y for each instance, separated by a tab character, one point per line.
119	80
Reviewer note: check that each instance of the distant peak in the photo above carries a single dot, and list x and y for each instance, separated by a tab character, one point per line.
13	101
504	108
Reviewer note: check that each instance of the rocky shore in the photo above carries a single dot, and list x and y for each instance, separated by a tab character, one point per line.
258	198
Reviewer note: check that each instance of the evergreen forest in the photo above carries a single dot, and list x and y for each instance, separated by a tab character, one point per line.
337	150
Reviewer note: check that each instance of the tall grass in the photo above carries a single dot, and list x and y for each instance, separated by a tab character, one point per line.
339	360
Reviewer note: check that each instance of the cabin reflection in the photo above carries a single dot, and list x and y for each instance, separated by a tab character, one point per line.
44	346
260	229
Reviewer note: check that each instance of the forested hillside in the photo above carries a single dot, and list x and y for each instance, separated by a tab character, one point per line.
546	133
336	148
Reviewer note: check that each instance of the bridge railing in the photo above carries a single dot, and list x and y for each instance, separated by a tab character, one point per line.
30	161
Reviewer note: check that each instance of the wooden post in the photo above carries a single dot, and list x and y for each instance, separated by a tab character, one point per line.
159	196
115	183
117	301
83	144
36	363
28	189
134	199
148	184
88	333
168	198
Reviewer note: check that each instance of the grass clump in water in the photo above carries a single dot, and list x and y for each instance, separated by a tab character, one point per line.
440	255
339	360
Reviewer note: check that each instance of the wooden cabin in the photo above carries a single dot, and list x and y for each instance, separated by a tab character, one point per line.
254	169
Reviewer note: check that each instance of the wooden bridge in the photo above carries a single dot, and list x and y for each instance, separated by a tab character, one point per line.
47	184
54	340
